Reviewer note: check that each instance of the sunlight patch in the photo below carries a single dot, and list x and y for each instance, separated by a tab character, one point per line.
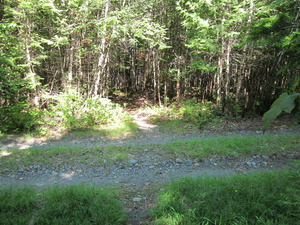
67	175
4	153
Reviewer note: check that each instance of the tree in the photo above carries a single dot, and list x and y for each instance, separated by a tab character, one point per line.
277	27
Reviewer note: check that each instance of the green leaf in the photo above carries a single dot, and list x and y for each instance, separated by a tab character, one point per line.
285	102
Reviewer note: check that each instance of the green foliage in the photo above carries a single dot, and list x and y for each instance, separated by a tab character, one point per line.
208	23
277	27
18	118
74	112
260	198
187	111
200	113
285	102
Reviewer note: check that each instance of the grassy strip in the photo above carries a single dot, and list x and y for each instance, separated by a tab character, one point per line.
60	156
234	146
60	205
262	198
197	148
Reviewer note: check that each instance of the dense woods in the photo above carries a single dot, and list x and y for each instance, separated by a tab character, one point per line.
239	54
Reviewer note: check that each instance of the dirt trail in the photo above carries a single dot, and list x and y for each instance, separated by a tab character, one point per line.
141	176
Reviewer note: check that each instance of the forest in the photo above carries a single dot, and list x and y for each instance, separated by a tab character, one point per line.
60	59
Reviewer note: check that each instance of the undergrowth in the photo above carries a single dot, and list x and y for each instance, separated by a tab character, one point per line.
68	111
186	111
75	112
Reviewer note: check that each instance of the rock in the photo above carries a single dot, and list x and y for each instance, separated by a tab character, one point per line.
133	161
178	161
122	167
137	199
36	167
164	163
251	164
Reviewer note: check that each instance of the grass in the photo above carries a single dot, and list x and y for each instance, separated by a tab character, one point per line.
263	198
197	148
260	198
17	205
234	146
60	205
61	155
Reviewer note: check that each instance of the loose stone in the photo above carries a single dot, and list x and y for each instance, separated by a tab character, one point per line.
137	199
133	161
179	161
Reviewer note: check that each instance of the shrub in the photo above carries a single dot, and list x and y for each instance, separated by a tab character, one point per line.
19	118
73	111
188	111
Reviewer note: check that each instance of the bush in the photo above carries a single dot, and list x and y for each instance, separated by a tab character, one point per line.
18	118
188	111
74	112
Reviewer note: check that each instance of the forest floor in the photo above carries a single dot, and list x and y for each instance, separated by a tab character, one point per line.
147	169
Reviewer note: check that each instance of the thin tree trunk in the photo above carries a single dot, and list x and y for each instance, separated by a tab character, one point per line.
102	59
178	85
154	78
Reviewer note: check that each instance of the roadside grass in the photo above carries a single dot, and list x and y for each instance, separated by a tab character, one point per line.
61	156
17	205
233	146
60	205
253	199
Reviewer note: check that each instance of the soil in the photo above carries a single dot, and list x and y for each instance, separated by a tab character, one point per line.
147	170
